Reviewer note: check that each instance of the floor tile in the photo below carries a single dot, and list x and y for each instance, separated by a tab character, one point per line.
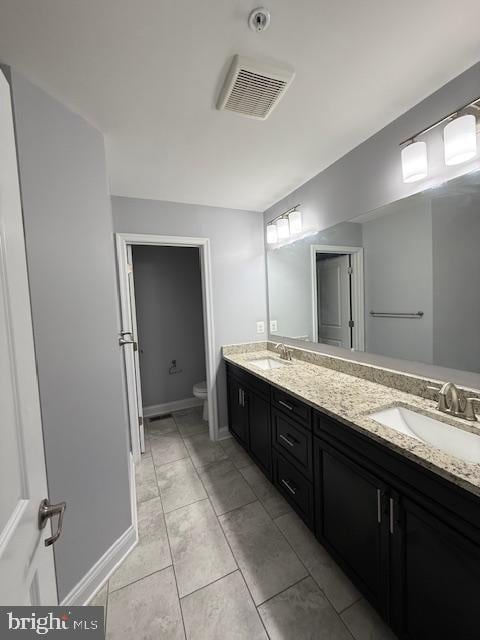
304	613
161	426
148	609
274	503
152	552
203	451
145	479
179	484
167	448
190	422
200	551
100	598
222	610
364	623
236	453
266	559
225	486
328	575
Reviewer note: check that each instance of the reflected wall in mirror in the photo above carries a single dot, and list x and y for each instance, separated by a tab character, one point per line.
401	281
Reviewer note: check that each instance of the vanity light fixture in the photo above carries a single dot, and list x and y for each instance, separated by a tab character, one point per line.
459	141
289	223
283	228
272	235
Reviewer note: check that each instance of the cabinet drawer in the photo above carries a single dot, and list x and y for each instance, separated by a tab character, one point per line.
297	490
294	442
290	405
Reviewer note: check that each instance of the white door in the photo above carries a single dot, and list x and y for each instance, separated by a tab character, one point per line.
129	344
333	299
27	575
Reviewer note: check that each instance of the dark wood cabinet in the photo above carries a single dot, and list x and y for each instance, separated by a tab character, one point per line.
408	538
351	521
436	577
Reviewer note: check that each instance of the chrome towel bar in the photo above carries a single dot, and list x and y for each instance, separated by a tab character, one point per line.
391	314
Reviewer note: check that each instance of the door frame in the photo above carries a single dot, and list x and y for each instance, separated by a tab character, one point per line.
358	300
203	244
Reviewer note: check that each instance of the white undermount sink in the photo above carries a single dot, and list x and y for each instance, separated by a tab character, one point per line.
452	440
268	363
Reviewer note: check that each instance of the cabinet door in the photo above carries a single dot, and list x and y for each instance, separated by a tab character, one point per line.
260	431
436	577
352	523
237	410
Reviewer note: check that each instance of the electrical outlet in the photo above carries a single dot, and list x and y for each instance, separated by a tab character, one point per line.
261	326
273	326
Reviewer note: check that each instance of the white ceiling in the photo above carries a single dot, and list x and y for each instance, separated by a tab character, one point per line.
147	73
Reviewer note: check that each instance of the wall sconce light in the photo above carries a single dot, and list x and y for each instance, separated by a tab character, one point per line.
283	228
272	235
414	162
459	141
295	221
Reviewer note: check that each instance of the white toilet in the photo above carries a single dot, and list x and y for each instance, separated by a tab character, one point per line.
200	391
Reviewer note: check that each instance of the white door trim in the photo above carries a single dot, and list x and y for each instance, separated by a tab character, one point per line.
203	244
358	303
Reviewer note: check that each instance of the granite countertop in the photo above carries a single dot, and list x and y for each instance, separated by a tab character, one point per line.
350	400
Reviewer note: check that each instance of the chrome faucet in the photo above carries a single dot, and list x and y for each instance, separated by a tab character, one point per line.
285	352
450	401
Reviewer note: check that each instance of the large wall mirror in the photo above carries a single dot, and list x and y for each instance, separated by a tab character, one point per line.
402	281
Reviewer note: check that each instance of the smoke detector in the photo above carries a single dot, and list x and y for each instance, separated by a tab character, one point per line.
253	88
259	19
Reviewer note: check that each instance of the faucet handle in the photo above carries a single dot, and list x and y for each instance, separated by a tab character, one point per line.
469	410
442	398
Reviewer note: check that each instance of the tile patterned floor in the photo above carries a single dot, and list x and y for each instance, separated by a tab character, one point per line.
221	556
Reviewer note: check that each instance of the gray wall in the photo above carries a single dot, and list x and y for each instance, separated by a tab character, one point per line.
456	269
238	263
398	277
370	177
71	263
168	296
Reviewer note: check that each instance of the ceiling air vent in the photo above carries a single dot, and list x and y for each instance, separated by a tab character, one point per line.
252	88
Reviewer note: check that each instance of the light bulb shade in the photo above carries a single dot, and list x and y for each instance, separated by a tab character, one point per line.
414	162
295	221
460	139
283	228
272	235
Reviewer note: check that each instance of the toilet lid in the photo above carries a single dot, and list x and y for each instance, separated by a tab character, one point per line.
200	387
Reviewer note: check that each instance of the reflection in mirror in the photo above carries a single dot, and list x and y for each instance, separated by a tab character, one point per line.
401	281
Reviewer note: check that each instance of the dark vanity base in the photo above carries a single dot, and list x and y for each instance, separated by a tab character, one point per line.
408	539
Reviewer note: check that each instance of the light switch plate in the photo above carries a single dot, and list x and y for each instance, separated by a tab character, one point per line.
273	326
261	326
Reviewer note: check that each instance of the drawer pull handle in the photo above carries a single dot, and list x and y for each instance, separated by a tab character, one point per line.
379	506
392	516
286	405
288	439
287	484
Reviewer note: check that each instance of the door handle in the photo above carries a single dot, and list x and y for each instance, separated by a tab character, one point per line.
379	506
392	516
288	439
291	488
47	511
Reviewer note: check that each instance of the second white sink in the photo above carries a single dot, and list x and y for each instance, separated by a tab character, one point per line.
268	363
452	440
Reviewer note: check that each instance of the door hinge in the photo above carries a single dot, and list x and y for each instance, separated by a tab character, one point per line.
350	270
351	324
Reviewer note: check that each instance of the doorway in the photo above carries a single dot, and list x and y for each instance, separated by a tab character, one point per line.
337	296
129	334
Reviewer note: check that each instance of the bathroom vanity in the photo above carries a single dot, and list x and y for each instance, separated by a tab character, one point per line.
402	518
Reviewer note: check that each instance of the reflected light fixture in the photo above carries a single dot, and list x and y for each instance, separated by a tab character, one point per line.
460	139
272	235
459	142
414	162
283	228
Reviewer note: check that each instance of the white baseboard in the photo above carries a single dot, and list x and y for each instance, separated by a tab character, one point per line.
101	571
223	433
168	407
